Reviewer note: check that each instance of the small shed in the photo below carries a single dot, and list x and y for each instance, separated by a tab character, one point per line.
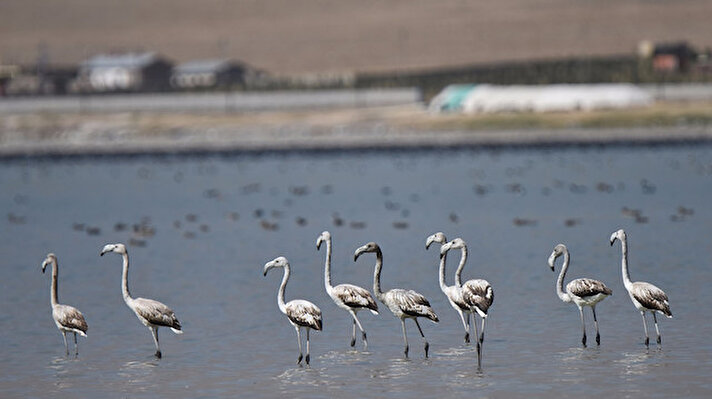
673	57
209	74
128	72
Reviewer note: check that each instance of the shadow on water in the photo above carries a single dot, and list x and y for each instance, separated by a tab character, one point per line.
641	362
300	376
62	368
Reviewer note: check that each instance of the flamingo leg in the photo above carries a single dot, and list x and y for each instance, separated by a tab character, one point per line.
595	321
583	327
427	345
467	333
360	327
307	358
353	333
477	339
76	346
405	338
645	327
657	331
154	332
299	341
66	348
465	324
474	322
480	343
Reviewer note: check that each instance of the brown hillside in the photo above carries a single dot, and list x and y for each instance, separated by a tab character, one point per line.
289	36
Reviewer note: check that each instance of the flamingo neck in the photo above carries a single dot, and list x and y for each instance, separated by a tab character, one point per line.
125	279
463	260
560	282
624	263
53	289
377	275
282	288
441	277
327	267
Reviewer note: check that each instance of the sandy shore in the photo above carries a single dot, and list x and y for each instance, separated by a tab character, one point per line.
395	127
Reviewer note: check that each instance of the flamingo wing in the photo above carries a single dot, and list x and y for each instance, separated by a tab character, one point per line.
70	317
156	313
304	313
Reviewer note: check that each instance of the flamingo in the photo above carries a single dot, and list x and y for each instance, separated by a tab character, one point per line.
477	294
645	296
404	304
300	313
349	297
67	318
582	291
452	292
150	313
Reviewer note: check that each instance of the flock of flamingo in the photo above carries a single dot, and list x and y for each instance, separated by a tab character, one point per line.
473	297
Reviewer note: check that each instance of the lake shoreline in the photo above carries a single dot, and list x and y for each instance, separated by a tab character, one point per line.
402	127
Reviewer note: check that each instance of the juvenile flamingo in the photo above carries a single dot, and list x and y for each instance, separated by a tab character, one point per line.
645	296
349	297
67	318
300	313
582	291
477	294
404	304
150	313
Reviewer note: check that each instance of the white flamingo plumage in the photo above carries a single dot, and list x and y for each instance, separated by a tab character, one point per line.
581	291
404	304
349	297
300	313
67	318
645	296
150	313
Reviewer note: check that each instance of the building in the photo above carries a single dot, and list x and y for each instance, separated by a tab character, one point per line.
7	73
210	74
673	57
34	81
129	72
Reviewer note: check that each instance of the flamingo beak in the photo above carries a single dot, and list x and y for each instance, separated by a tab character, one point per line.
358	252
552	258
429	241
268	266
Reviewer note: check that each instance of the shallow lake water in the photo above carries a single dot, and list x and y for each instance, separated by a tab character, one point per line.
199	230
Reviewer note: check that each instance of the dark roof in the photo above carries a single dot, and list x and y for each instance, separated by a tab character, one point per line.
681	49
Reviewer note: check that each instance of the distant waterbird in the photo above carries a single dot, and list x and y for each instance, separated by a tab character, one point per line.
150	313
300	313
67	318
582	291
404	304
349	297
645	296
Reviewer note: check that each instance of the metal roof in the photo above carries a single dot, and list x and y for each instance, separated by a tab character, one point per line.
204	66
126	60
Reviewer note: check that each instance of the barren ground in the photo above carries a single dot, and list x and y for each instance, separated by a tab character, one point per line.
285	36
